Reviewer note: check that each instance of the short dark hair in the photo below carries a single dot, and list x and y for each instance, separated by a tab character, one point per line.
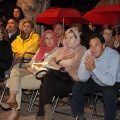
14	19
99	36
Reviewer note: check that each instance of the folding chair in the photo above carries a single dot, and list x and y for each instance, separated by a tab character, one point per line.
95	97
23	60
55	102
7	75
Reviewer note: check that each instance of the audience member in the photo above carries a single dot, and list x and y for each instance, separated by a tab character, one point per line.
67	59
99	72
28	41
59	31
107	32
19	78
13	30
18	14
90	30
110	41
5	53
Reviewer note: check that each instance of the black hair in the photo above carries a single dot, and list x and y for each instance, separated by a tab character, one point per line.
22	15
60	23
99	36
15	19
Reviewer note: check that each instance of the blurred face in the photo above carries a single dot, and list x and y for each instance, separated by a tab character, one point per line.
16	13
107	34
27	28
70	40
92	27
49	40
96	47
58	30
1	35
11	25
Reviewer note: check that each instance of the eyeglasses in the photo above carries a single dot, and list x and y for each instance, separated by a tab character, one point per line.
108	34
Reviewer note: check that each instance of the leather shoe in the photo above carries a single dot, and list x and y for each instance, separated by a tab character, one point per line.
6	105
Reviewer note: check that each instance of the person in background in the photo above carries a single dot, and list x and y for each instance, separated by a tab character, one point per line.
19	77
27	41
78	27
110	41
13	29
99	72
5	53
90	30
59	31
19	15
66	59
107	32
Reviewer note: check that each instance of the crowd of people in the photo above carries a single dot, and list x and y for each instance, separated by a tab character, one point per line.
90	56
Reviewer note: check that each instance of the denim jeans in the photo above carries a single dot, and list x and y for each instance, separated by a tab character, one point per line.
82	88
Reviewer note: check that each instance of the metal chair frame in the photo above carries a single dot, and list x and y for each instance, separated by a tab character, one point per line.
23	60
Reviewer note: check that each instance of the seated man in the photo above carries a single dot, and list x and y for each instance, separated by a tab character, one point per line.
13	29
99	72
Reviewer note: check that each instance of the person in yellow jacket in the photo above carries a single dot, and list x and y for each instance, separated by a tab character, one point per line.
27	41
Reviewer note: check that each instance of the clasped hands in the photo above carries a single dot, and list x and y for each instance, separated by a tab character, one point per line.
89	62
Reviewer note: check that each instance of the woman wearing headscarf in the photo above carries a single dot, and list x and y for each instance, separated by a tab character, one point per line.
25	78
66	59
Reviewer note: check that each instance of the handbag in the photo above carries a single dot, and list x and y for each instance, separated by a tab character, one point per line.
39	75
64	76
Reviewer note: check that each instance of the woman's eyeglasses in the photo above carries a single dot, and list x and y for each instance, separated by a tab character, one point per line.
108	34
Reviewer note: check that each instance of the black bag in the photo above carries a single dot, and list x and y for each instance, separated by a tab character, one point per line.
64	76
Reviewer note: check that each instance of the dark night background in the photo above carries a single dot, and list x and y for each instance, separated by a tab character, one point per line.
82	5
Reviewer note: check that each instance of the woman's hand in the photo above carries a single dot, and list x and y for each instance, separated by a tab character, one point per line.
17	59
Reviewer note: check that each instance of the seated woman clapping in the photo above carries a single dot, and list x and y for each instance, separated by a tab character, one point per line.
24	78
66	59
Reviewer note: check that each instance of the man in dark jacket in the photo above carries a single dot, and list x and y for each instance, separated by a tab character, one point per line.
13	29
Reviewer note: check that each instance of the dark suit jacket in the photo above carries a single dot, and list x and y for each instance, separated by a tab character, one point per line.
13	37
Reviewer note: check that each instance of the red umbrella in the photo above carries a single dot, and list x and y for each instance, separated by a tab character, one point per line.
107	14
67	15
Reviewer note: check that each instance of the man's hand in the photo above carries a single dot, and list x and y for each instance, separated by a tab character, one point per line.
89	62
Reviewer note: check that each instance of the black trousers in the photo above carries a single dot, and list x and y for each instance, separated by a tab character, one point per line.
52	86
109	96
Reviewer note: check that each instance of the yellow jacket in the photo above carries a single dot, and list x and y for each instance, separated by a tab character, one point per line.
21	46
